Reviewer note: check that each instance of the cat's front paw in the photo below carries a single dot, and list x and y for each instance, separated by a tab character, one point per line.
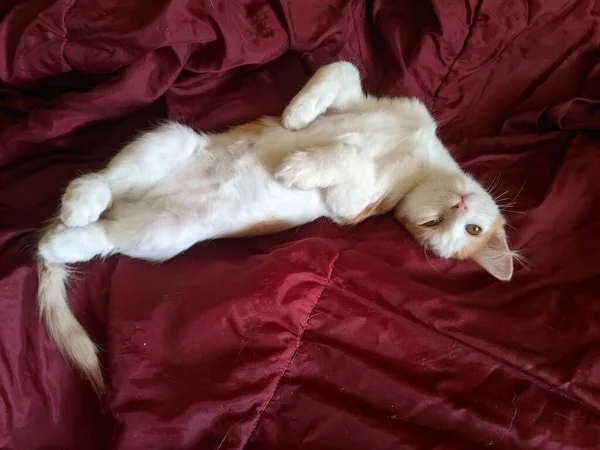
298	171
85	199
305	108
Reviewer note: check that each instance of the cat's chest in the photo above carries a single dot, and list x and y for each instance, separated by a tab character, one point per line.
375	134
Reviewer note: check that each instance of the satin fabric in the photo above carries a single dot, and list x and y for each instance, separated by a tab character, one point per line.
320	337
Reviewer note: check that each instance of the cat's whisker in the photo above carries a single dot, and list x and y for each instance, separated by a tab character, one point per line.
512	202
519	258
493	185
521	190
431	264
501	196
506	205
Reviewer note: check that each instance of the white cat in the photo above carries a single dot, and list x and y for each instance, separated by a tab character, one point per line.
335	153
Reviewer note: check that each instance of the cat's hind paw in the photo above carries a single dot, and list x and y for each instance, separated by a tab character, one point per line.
70	245
85	199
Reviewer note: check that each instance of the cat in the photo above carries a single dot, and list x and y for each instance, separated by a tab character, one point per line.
335	153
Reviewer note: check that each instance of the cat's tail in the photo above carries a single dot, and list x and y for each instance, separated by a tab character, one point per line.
68	334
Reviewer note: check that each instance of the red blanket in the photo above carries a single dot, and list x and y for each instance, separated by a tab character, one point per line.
321	337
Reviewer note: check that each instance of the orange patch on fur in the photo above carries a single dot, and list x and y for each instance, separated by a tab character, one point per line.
377	208
256	127
261	229
479	243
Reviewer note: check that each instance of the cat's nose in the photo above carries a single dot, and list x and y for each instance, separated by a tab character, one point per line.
461	206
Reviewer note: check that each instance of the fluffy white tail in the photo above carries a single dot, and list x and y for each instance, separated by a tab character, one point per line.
63	327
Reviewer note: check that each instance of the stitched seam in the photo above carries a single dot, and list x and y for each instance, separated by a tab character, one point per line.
293	355
511	367
474	349
358	40
507	365
461	51
66	32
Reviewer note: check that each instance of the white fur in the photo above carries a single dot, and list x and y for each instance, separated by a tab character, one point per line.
174	187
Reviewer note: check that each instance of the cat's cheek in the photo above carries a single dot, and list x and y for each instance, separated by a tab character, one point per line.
415	231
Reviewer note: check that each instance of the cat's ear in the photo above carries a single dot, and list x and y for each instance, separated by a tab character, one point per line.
496	257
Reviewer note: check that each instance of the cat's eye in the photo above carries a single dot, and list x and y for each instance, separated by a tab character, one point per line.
432	223
473	230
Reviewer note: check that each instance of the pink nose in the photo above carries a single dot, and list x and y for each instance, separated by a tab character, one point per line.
461	206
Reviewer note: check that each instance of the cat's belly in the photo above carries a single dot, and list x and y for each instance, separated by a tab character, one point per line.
240	200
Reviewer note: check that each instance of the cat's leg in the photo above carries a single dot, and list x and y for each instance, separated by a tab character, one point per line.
158	240
352	202
141	233
335	85
142	163
358	195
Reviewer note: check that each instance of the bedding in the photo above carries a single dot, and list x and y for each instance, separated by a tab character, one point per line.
320	337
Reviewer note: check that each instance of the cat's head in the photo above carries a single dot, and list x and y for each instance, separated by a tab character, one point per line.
452	215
